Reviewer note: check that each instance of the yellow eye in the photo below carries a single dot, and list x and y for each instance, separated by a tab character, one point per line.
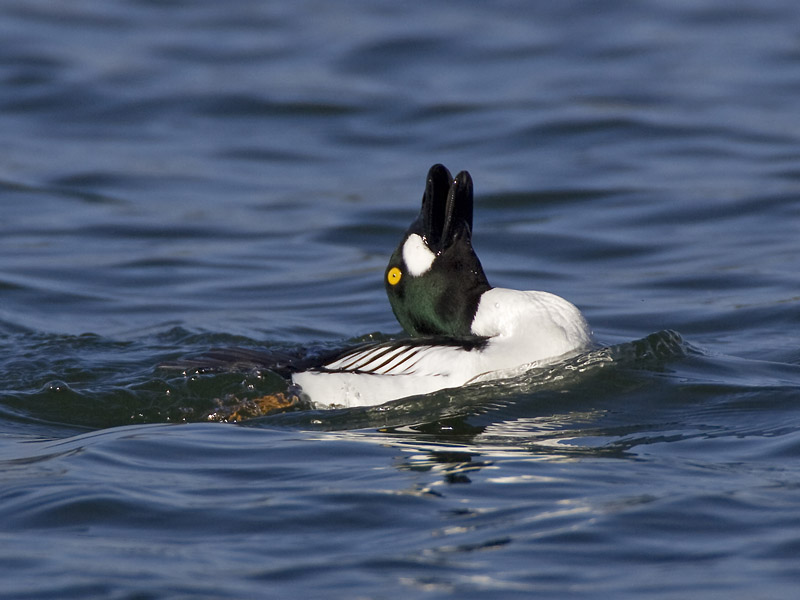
393	276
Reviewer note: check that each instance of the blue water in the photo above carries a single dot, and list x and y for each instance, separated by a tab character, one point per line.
177	176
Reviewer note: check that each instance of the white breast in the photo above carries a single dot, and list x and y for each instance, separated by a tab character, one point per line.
528	327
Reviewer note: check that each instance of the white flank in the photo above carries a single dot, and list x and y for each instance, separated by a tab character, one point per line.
387	372
417	256
529	326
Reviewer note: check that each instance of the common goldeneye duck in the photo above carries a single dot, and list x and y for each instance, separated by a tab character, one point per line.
463	330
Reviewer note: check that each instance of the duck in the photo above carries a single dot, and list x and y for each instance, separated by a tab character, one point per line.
460	330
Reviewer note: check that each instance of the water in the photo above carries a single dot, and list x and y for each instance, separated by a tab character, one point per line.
179	176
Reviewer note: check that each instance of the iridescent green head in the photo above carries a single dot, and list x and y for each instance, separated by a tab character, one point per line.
434	280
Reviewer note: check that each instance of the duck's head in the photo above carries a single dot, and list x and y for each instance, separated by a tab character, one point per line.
434	279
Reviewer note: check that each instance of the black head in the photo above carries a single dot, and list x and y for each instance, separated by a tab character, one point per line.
434	279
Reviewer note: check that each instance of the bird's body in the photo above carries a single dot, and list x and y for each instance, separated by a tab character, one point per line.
514	332
462	330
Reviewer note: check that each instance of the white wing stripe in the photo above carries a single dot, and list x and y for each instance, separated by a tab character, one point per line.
353	361
377	362
395	361
383	360
403	354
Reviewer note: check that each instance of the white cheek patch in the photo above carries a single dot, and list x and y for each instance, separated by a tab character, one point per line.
417	256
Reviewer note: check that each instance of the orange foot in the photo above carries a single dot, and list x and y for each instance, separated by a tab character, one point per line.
250	408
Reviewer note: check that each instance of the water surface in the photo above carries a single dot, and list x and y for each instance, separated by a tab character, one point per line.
181	176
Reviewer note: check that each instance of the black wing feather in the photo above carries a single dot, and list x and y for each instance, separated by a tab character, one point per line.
396	356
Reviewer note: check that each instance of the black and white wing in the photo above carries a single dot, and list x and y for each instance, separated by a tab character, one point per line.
410	356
